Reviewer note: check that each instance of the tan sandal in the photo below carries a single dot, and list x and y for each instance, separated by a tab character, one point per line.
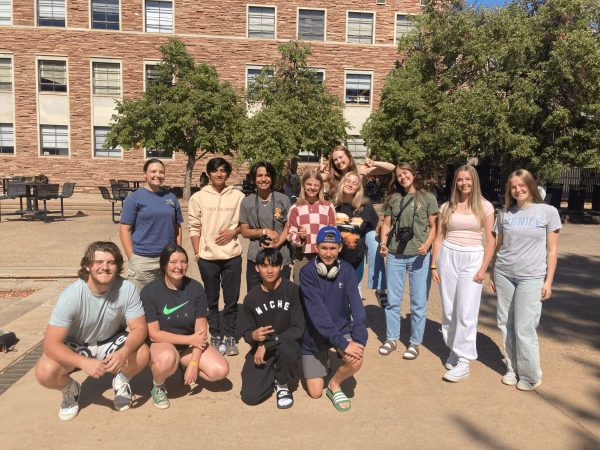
387	347
412	352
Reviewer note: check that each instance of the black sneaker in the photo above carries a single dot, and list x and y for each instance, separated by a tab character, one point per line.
215	341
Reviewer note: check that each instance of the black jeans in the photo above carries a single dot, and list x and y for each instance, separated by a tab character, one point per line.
280	363
253	277
226	273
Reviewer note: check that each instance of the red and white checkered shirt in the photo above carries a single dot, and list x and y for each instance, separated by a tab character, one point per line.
313	218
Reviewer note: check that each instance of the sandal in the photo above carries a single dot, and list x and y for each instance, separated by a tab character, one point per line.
412	352
387	347
284	394
337	398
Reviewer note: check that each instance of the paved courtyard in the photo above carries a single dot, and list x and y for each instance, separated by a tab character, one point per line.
396	403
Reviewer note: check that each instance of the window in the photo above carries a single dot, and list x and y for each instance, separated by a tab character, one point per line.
159	17
423	3
320	76
107	78
5	74
152	75
7	139
160	154
53	76
253	73
51	13
358	88
55	140
5	12
105	14
403	26
261	22
360	28
311	24
99	140
357	147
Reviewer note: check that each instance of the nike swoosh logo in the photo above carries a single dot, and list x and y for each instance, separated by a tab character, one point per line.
167	311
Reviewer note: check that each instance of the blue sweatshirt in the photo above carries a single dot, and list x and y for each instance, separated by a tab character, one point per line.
327	306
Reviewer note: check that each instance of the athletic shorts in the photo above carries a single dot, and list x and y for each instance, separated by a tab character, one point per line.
318	365
98	350
179	347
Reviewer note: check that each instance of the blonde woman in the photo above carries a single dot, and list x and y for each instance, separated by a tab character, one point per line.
522	273
308	215
459	263
355	217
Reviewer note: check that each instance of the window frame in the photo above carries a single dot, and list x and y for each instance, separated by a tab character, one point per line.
248	6
172	16
93	61
359	72
41	141
10	15
10	57
91	18
165	158
396	24
355	137
14	147
148	63
374	13
304	8
37	16
39	59
94	155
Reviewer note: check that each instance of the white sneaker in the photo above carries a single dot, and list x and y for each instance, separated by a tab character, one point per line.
452	360
222	348
458	373
122	400
510	379
523	385
69	408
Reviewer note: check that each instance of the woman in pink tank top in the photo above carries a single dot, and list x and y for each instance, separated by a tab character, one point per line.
459	263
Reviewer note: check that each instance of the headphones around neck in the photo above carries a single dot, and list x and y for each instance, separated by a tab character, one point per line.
322	269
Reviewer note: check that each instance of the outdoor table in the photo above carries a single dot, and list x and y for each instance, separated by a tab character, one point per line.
32	206
136	184
4	181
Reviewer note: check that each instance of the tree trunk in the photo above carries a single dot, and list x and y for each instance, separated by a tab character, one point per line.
187	183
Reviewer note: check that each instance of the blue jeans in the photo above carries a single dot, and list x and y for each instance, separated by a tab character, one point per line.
419	280
519	311
377	277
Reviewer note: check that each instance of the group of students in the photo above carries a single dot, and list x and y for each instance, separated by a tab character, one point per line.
326	236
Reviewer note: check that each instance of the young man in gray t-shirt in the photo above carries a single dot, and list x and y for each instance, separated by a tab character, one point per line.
87	331
263	219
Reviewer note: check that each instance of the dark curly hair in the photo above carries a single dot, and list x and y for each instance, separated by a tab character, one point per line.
88	257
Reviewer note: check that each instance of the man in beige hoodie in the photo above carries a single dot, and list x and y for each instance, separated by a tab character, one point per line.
214	226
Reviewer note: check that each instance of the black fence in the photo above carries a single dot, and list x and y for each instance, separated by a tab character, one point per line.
579	177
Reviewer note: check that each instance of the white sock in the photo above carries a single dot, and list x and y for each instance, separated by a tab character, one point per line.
282	387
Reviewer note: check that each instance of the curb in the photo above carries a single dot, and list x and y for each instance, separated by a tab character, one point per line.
39	273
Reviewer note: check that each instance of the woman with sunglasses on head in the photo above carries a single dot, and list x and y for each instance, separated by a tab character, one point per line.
522	273
408	230
355	217
459	263
308	215
339	164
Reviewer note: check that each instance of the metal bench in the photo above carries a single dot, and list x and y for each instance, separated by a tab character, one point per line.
106	194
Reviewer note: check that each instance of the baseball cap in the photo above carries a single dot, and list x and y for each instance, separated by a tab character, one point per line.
323	232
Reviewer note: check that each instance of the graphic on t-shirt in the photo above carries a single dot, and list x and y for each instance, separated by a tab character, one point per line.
167	311
170	202
351	236
529	222
277	213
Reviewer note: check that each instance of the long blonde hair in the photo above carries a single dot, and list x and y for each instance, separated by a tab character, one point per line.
334	173
395	189
475	200
359	199
529	181
307	176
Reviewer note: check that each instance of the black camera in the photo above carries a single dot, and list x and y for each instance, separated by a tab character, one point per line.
263	240
404	235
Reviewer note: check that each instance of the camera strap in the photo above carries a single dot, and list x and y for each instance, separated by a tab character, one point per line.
402	208
272	201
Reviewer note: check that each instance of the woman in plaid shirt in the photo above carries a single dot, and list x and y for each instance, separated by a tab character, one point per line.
308	215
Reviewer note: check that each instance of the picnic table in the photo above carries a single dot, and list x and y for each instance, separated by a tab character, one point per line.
136	184
34	193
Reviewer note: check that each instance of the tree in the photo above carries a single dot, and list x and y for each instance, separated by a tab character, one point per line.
520	84
188	110
293	111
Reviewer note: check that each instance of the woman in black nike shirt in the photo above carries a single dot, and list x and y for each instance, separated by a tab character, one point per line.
176	310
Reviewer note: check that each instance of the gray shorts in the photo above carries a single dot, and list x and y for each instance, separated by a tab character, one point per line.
318	365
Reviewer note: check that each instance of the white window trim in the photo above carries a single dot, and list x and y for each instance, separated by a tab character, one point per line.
311	9
145	158
104	158
37	17
39	58
396	24
120	19
248	5
251	66
359	72
96	59
11	56
144	12
11	21
39	130
146	63
363	12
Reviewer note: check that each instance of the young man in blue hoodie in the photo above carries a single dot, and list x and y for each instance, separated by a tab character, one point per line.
334	316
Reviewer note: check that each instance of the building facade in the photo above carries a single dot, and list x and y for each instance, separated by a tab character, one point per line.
63	63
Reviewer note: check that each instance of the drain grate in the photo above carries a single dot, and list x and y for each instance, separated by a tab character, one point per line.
15	372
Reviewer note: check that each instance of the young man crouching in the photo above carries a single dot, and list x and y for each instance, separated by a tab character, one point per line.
273	325
334	315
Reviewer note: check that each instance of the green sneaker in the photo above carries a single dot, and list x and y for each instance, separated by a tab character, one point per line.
159	397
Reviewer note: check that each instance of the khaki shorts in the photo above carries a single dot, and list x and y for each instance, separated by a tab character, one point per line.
318	365
141	270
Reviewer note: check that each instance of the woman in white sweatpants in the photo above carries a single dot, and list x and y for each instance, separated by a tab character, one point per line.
459	263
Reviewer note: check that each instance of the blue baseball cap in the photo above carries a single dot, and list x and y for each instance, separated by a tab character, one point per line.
323	232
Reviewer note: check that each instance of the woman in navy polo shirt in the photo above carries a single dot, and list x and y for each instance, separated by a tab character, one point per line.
150	220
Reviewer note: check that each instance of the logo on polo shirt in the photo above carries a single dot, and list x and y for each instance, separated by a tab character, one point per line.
170	202
341	285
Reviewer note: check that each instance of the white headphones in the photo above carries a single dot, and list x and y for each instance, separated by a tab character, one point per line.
322	269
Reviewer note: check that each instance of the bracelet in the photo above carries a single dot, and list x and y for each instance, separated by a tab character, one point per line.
383	245
193	363
264	231
433	266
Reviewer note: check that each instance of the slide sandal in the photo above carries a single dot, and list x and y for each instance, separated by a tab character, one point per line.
337	398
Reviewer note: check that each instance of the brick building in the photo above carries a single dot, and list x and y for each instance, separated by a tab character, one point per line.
64	62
